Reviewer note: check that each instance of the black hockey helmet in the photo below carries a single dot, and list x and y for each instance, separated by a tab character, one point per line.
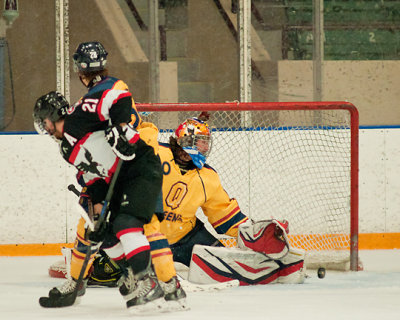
52	106
90	56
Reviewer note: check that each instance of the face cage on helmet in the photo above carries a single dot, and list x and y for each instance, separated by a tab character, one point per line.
194	140
39	126
38	123
40	112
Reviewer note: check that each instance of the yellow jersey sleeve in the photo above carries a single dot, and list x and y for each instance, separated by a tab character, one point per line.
222	212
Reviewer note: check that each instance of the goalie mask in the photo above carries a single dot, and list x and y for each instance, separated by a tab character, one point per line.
52	106
194	136
90	56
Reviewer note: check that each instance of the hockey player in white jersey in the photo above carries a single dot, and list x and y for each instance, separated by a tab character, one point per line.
94	135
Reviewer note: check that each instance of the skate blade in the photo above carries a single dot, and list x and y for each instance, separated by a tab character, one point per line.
152	307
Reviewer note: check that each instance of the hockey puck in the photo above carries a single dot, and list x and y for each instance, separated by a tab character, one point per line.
321	273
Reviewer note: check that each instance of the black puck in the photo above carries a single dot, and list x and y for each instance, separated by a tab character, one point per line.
321	273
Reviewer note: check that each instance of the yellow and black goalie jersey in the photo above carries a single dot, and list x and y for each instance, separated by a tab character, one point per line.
197	188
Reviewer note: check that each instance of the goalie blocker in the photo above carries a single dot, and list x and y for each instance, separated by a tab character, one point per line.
263	256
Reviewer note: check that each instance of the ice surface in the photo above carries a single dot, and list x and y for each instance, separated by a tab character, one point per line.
371	294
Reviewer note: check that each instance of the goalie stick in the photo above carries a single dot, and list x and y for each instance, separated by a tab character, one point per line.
51	302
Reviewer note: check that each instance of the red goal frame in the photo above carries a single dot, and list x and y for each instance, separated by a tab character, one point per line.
276	106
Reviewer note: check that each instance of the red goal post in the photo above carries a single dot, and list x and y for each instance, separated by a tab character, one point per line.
287	160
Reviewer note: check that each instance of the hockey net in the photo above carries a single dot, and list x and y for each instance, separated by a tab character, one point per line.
293	161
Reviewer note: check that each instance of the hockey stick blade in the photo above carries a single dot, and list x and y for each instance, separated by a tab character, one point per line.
48	302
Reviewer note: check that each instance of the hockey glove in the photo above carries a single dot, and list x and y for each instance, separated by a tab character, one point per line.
123	141
100	232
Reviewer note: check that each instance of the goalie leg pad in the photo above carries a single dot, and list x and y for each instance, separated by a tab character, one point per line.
215	264
293	268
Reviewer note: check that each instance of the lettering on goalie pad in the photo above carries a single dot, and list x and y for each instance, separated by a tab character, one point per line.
265	236
220	264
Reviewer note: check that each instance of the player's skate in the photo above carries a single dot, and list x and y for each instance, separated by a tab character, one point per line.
174	295
142	292
64	295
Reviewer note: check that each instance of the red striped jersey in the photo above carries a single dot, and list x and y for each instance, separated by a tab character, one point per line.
84	144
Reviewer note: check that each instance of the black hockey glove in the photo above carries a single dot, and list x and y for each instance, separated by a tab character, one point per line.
123	141
98	236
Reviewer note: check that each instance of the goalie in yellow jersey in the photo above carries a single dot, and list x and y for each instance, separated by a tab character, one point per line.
189	183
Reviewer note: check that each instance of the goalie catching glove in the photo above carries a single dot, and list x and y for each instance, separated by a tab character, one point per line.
266	236
122	140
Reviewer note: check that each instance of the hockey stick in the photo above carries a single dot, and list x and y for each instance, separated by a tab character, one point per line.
102	218
48	302
104	211
72	188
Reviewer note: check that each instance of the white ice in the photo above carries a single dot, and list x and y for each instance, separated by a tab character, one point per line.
370	294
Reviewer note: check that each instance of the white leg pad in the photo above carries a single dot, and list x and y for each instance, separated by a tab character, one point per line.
293	274
219	264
